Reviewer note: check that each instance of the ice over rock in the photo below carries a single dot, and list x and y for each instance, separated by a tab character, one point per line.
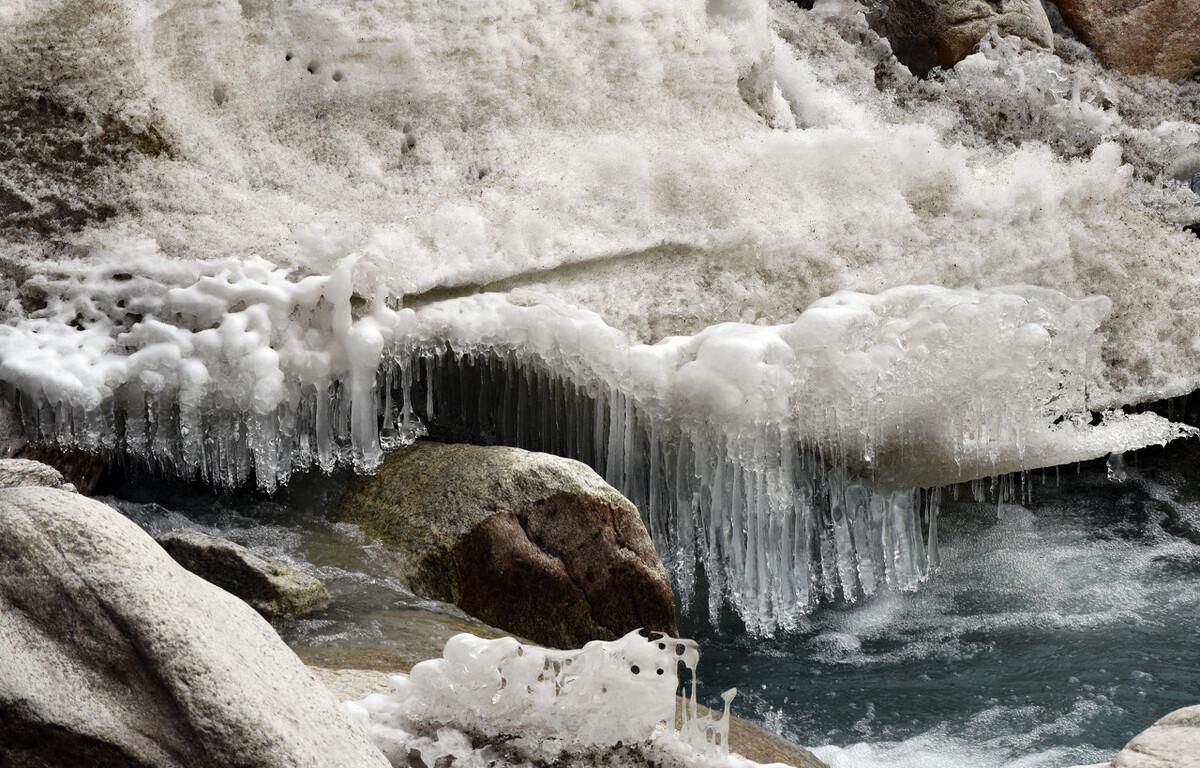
691	243
499	701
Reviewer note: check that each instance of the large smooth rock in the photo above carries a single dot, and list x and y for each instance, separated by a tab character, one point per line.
1172	742
940	33
531	543
1142	37
271	587
115	656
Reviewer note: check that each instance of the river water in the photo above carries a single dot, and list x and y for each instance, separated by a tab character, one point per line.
1053	631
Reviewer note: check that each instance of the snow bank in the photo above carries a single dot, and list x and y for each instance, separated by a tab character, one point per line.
498	701
705	246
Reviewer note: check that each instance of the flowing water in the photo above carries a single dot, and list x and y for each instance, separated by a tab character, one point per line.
1053	631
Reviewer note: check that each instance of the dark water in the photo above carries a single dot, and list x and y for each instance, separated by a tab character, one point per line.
1053	632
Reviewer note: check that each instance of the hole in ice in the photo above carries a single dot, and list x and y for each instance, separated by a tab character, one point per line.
287	56
338	76
313	66
1193	228
220	95
659	671
679	649
662	646
122	277
634	669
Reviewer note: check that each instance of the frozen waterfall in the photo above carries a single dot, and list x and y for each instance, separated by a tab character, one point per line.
792	464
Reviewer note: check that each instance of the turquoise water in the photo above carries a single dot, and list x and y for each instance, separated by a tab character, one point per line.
1053	632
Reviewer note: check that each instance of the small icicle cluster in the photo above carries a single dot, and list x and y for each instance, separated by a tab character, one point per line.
605	695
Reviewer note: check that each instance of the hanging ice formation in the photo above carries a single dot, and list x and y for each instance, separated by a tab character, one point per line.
791	461
605	695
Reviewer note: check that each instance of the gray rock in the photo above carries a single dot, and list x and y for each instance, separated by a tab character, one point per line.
940	33
116	656
17	473
271	587
1172	742
531	543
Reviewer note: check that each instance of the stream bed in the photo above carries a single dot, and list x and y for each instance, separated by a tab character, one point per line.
1053	631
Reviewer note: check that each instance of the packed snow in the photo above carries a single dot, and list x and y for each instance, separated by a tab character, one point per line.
488	702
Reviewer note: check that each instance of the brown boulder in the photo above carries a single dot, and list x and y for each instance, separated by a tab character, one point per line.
1141	37
531	543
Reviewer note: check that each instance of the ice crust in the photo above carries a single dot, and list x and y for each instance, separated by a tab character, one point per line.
703	246
787	460
499	701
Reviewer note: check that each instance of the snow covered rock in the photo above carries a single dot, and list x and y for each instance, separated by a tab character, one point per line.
940	33
531	543
1145	37
1172	742
115	655
508	703
745	738
271	587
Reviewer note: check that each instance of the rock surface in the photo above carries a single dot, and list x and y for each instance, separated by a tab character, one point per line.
1172	742
1141	37
116	656
271	587
405	636
531	543
745	738
15	473
940	33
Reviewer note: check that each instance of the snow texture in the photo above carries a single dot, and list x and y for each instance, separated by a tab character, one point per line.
499	701
772	285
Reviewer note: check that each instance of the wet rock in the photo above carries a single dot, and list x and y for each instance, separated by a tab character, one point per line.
405	637
271	587
1172	742
116	656
531	543
940	33
1142	37
16	473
